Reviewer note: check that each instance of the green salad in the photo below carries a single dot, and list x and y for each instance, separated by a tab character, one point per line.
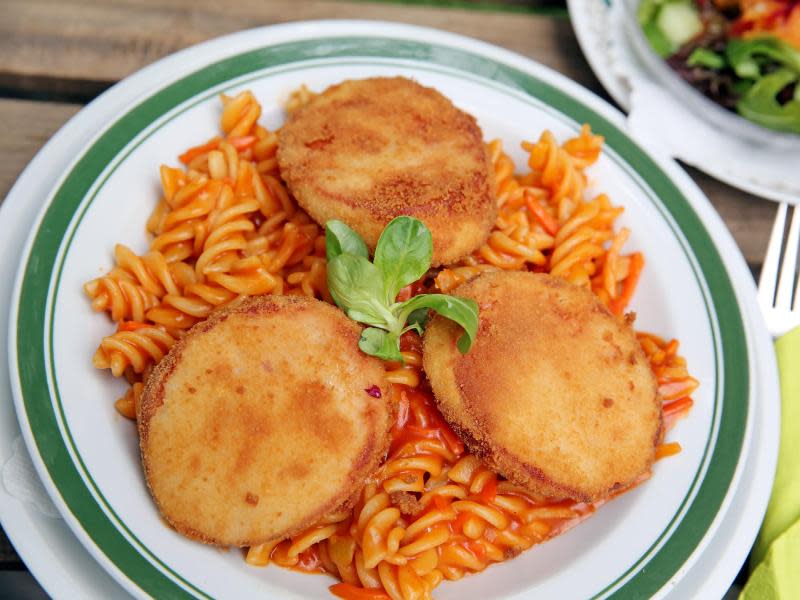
742	54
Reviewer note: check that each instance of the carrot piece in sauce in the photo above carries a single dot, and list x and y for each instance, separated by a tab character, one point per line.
131	325
193	153
618	304
242	142
549	224
348	591
677	406
668	449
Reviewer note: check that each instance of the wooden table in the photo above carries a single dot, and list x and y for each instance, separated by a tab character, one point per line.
55	56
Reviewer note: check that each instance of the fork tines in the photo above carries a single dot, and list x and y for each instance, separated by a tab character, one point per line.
778	295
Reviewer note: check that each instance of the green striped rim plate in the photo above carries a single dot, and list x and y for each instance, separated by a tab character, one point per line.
637	545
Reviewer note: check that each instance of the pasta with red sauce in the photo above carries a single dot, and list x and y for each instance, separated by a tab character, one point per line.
226	228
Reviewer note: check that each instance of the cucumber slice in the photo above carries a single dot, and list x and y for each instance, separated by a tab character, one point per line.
647	11
679	22
657	40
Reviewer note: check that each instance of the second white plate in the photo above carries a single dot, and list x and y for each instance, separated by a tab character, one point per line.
600	29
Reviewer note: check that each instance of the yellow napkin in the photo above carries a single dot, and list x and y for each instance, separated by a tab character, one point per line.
776	555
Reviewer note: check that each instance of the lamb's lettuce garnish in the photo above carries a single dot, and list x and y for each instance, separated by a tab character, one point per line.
403	254
367	291
340	239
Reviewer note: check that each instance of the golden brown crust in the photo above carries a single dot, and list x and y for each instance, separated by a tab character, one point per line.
366	151
556	393
257	424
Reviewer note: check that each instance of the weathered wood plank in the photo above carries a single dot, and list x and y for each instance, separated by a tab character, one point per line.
74	39
26	126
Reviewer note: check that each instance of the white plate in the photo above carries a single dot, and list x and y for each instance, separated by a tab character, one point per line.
145	555
600	26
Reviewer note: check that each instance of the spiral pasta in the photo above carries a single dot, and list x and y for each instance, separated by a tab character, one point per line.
434	511
226	228
546	224
134	348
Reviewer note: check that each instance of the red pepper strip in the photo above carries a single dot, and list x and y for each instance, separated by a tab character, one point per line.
193	153
131	325
677	388
348	591
549	223
637	264
677	406
242	142
668	449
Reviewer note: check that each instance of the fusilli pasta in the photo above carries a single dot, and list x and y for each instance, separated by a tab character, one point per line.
434	511
224	228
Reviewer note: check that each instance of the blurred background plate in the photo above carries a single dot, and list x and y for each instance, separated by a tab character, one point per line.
661	117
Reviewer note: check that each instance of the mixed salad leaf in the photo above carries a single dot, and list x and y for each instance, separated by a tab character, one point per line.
742	54
367	291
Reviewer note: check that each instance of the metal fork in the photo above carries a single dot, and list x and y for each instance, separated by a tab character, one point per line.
778	297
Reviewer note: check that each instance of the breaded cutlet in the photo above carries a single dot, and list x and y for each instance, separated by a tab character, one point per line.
556	393
263	419
366	151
